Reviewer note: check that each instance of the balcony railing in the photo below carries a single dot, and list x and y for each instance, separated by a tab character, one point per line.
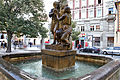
110	17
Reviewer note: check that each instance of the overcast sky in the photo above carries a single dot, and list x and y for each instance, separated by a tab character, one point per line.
48	5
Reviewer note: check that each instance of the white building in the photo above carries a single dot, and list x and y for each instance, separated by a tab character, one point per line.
95	19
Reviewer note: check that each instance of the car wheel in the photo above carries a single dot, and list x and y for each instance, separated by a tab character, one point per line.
93	51
105	52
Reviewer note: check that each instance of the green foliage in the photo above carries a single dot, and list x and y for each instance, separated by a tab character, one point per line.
23	16
74	32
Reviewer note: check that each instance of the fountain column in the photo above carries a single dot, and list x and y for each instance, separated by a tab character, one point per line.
58	59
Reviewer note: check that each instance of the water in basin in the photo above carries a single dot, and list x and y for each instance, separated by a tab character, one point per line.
34	67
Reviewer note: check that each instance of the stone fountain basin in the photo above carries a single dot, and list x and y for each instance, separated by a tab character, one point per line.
110	70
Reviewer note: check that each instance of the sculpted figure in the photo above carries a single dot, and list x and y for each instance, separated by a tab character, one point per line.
54	23
65	31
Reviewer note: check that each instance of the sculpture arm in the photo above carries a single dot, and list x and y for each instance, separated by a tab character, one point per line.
62	17
51	13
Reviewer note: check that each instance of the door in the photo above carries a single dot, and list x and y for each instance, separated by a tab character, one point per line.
82	43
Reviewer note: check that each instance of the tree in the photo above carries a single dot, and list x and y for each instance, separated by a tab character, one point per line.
75	32
22	16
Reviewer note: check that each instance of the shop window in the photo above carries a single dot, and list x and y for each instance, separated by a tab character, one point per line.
110	41
96	41
91	28
99	1
82	28
97	27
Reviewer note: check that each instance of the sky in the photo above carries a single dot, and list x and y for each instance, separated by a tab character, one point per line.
48	5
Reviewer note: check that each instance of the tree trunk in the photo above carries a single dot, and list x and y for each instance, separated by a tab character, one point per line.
9	34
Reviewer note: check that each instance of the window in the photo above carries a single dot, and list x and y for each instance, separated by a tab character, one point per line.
76	15
96	41
91	2
110	10
72	13
91	13
99	12
91	28
76	3
82	28
99	1
71	4
84	3
98	27
83	13
110	41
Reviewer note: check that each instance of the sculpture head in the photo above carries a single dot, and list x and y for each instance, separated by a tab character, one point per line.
67	9
56	5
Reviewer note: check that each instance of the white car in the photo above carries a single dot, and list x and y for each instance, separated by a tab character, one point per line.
111	50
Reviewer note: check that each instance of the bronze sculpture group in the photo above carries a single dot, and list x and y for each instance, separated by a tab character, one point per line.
61	24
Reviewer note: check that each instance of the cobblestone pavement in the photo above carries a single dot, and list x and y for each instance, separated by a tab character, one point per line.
15	51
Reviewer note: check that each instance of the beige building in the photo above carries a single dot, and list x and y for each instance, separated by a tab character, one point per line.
117	25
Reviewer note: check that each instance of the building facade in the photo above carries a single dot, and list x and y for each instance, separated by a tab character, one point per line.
95	19
117	24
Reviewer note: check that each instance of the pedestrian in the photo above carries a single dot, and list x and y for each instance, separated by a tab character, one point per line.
78	47
20	44
30	44
15	44
41	42
2	44
5	45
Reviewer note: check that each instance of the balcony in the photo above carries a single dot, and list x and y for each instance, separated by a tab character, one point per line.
110	17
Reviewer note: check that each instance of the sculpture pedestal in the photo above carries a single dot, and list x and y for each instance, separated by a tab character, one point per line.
58	60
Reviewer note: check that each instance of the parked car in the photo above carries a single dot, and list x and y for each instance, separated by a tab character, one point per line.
111	50
90	49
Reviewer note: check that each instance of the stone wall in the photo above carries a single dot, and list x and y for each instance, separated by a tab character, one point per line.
110	71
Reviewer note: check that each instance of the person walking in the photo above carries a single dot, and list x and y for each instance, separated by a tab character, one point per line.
2	44
5	45
78	47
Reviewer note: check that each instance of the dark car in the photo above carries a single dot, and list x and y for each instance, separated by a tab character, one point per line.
90	49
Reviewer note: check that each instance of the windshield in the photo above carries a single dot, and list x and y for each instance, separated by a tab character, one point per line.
110	48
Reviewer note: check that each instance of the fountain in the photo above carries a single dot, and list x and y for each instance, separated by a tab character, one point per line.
58	60
59	55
